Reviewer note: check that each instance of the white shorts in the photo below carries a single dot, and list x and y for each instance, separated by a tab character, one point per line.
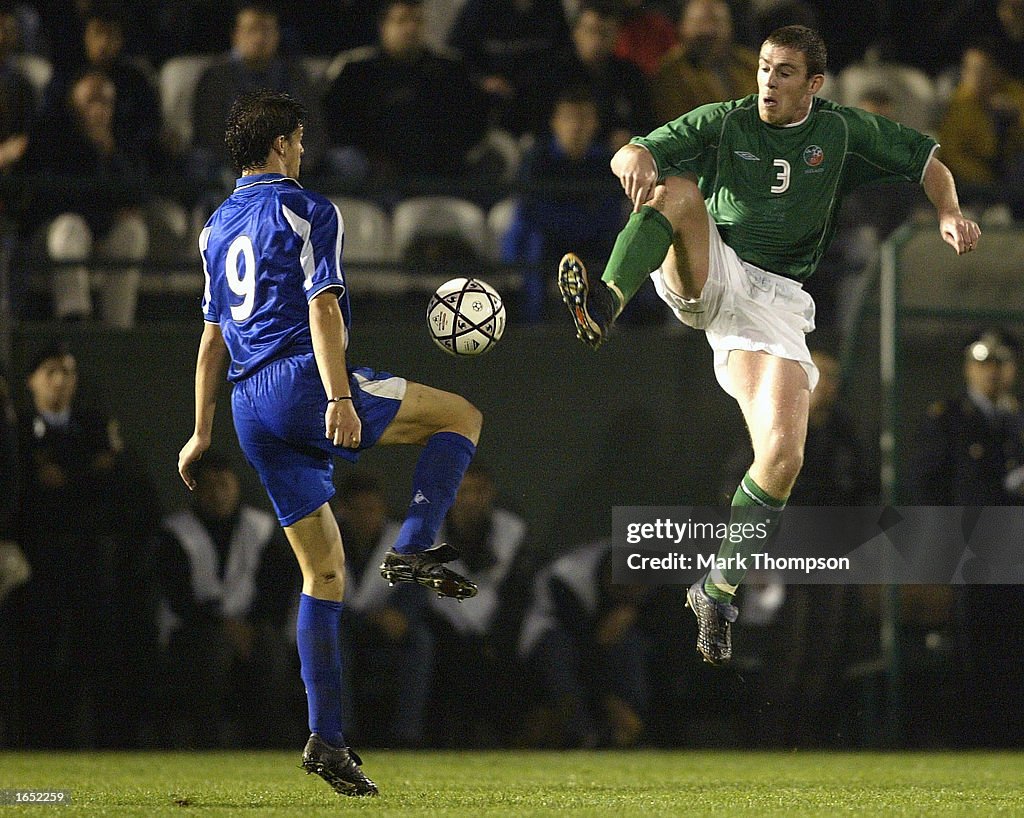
745	307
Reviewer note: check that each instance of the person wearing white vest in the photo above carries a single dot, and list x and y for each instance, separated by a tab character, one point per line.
584	641
387	643
228	585
475	662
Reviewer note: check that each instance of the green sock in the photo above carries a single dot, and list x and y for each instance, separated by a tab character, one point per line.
639	250
750	504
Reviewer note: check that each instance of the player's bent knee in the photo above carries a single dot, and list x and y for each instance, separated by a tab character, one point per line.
681	199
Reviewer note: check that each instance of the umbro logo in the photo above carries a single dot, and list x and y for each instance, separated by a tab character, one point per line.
419	498
747	155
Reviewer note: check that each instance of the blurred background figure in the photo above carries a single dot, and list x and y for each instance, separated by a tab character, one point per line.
477	675
982	132
88	189
137	120
585	644
388	644
646	35
17	97
554	213
970	447
618	86
254	61
501	40
706	66
84	650
402	108
227	584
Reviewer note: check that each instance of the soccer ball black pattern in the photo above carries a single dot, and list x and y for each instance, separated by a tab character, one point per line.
465	316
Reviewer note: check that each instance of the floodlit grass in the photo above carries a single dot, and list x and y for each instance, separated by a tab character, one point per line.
516	784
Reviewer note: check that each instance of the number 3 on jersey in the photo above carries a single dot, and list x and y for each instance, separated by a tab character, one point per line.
782	176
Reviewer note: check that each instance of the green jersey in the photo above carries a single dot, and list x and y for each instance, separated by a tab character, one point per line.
774	192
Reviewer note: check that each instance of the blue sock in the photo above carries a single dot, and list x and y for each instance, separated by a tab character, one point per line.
317	638
439	472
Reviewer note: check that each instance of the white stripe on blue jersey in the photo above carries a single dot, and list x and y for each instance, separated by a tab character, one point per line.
268	250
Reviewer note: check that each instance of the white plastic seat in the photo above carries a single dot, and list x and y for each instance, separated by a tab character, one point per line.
499	219
176	82
914	95
368	243
441	216
37	70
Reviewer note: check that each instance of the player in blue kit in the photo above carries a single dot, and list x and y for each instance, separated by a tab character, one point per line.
276	307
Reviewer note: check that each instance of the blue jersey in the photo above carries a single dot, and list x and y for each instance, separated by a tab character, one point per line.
267	251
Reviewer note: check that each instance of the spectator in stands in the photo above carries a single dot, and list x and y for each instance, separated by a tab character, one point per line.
476	643
253	62
389	645
137	120
706	66
647	34
982	133
552	214
17	98
227	585
502	39
405	108
618	86
1010	37
81	619
584	639
88	190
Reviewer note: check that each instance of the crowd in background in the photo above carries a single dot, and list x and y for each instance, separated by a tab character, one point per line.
111	143
175	630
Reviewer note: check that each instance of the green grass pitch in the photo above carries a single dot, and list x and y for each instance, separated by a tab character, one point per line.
620	784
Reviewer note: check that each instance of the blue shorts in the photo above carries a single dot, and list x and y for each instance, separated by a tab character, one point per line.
279	417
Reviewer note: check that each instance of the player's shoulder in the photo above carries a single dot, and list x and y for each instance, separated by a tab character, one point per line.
304	201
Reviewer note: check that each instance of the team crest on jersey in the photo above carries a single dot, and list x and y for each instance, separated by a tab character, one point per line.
813	156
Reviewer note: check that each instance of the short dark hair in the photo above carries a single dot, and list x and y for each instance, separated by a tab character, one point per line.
805	40
261	7
575	94
257	118
214	461
385	7
108	12
52	351
605	9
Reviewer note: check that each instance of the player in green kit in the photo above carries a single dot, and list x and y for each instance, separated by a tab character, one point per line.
734	205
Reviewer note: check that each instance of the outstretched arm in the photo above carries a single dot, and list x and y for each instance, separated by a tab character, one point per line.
209	370
958	232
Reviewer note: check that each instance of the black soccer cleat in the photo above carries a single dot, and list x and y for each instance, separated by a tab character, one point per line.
591	304
714	624
426	568
338	766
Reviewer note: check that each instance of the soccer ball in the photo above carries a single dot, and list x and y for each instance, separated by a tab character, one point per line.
465	316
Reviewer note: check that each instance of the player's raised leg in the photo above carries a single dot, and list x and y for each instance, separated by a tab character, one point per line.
316	541
774	397
671	223
448	427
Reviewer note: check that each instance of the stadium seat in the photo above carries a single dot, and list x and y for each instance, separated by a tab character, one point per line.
441	216
176	83
499	219
37	70
368	243
498	149
913	92
338	62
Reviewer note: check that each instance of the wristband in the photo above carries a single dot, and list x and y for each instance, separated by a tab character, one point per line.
338	400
